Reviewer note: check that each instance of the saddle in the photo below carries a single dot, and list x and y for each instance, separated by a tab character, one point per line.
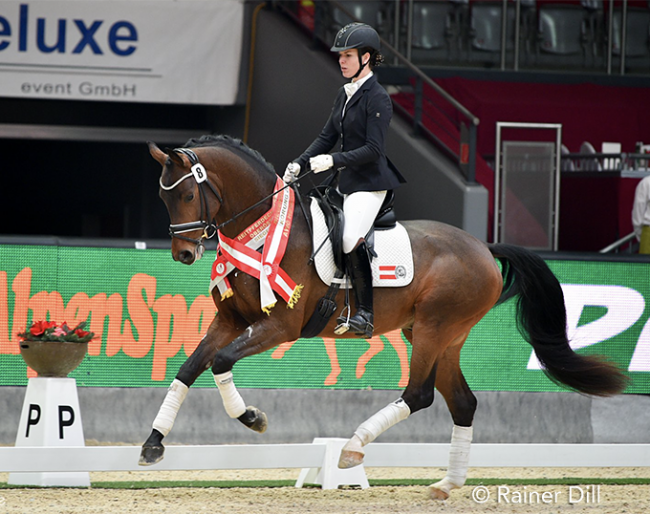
330	201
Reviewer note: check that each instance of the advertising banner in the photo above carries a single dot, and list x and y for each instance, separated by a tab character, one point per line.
185	52
149	313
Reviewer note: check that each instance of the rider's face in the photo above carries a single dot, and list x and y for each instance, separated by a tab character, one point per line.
349	62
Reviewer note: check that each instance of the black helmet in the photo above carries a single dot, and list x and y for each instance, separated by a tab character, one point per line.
356	35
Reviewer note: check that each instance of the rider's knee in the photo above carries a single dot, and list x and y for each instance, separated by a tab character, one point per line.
350	242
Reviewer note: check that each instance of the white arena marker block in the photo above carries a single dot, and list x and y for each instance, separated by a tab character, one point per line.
51	417
329	475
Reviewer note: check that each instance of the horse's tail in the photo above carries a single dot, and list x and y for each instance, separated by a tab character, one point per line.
541	320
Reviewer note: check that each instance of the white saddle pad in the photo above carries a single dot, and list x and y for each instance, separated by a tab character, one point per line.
392	268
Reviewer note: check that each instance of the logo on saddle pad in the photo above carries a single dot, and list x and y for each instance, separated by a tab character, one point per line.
393	266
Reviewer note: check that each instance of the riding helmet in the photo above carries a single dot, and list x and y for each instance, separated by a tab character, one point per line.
356	35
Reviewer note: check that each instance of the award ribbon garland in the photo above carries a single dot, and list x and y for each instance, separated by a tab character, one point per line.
271	230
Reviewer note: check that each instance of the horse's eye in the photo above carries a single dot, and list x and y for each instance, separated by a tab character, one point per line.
189	197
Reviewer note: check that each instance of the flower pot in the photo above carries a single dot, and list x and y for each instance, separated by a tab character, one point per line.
53	358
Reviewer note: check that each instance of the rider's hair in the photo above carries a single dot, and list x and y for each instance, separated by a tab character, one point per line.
376	58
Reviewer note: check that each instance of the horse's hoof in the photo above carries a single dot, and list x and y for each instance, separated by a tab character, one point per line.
151	455
349	459
254	419
438	494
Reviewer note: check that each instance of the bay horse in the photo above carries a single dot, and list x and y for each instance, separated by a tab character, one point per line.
217	185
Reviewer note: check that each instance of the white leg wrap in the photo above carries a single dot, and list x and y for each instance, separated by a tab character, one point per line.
370	429
232	400
461	440
169	409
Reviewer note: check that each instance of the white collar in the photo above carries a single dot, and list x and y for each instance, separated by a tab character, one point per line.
361	81
352	87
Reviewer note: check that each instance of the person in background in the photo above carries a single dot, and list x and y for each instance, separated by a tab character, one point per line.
641	215
360	117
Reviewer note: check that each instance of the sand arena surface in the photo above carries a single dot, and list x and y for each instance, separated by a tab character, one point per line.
608	499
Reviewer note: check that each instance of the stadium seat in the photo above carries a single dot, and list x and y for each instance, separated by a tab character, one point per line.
562	29
434	31
589	164
637	37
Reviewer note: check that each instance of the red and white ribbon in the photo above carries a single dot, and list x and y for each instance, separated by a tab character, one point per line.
271	230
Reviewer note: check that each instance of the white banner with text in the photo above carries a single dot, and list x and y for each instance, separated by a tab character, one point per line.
185	52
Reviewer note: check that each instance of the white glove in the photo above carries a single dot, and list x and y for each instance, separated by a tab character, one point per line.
321	163
291	172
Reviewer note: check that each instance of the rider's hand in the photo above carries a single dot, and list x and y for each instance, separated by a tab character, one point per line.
291	172
321	163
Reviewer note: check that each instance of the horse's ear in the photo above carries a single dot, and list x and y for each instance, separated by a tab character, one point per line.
176	157
157	153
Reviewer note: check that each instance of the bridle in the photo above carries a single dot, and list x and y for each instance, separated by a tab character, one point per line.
205	223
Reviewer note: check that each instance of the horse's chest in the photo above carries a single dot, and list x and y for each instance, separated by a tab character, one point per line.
246	294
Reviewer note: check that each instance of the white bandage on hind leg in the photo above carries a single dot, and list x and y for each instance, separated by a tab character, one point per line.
461	441
232	400
377	424
169	409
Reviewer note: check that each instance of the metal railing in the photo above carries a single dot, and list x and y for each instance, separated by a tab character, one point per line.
627	244
619	162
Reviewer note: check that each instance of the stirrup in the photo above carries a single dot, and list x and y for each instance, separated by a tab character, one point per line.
343	322
361	327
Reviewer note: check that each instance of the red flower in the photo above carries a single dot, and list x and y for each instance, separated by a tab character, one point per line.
81	333
51	331
40	327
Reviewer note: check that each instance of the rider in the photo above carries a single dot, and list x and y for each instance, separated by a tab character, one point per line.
361	114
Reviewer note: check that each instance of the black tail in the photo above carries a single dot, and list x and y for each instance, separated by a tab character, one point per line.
541	320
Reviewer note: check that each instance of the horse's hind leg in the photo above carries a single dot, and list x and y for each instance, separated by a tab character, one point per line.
417	395
461	402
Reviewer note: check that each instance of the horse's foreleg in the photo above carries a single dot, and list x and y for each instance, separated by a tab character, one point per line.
153	449
257	338
234	404
462	406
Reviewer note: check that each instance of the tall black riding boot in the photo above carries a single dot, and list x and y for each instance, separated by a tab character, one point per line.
360	272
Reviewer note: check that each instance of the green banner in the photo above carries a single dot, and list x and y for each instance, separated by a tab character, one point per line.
149	313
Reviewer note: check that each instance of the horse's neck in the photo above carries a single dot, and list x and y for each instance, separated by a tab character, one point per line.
243	187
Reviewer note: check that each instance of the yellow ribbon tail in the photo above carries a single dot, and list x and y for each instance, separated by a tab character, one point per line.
267	308
295	296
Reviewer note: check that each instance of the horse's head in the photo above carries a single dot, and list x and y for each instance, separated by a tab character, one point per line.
191	200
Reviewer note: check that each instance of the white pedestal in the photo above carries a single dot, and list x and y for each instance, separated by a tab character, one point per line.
329	475
51	417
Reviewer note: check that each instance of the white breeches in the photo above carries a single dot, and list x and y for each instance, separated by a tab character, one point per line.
359	211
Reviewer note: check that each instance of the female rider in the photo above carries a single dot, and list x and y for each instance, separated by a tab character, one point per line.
360	117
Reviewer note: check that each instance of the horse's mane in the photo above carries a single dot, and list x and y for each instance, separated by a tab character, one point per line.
233	144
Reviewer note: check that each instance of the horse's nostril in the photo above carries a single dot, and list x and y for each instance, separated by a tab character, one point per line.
186	257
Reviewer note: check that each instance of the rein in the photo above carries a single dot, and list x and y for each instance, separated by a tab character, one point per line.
210	229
